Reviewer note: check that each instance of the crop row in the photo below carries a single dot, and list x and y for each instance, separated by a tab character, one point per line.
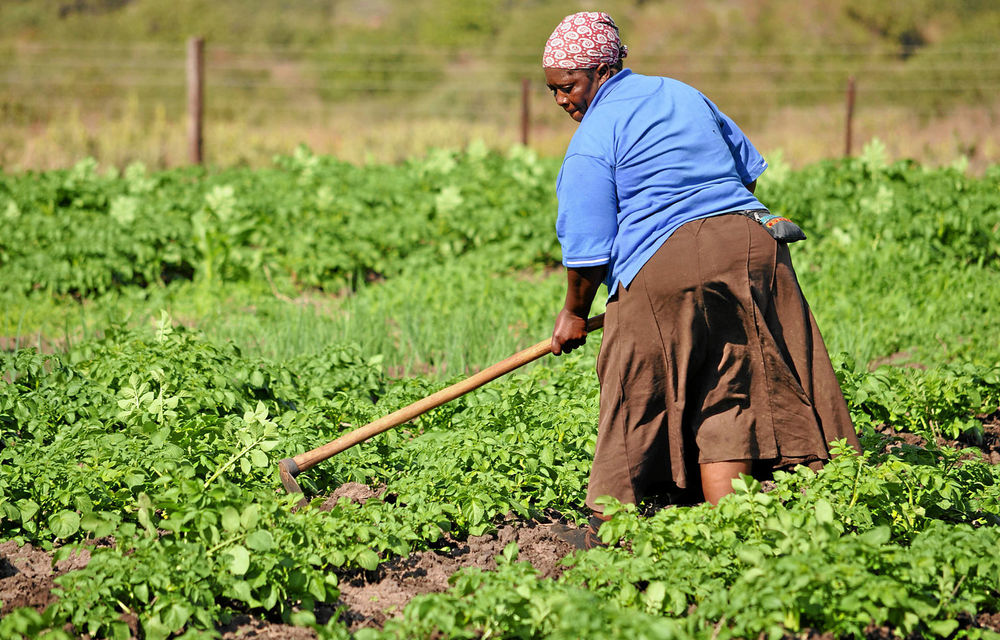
325	223
155	447
167	442
328	224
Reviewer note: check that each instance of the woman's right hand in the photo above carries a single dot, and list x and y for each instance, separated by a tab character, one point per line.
569	333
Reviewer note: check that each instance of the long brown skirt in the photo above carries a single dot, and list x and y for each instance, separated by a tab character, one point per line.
711	354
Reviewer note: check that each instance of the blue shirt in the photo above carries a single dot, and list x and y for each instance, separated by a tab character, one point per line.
649	155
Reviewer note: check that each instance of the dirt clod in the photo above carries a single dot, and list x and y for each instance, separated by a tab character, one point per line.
988	445
370	598
27	574
353	491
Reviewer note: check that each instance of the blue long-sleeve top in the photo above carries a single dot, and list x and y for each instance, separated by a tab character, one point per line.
650	154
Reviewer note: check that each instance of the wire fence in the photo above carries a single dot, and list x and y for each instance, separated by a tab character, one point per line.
260	84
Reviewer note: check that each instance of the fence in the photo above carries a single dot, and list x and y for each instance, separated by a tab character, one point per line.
260	85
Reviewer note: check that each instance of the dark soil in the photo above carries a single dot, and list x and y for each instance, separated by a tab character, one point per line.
244	626
353	491
988	445
27	574
370	598
989	621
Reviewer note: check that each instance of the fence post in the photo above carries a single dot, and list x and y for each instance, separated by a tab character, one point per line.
195	98
525	110
849	125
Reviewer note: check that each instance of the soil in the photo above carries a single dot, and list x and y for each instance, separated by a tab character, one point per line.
353	491
369	598
27	575
244	626
988	446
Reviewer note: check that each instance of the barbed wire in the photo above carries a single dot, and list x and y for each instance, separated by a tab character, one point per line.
738	67
36	75
827	49
512	87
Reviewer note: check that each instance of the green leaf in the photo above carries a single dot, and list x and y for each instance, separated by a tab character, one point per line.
146	521
241	591
258	458
317	588
260	540
546	457
176	616
303	618
28	509
250	516
230	519
942	628
119	631
367	559
97	525
240	559
824	512
654	596
64	524
510	552
257	379
477	512
271	596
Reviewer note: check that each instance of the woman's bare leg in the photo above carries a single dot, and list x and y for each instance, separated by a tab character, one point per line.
717	478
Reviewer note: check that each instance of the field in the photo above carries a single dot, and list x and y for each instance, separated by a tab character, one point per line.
384	80
168	336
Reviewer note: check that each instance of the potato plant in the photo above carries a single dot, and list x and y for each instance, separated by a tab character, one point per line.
153	446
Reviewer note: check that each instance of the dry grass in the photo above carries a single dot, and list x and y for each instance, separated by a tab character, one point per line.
802	134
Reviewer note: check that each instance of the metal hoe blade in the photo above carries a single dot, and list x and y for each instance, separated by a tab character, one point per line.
287	470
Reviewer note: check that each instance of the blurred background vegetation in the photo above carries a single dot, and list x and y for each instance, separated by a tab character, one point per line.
383	80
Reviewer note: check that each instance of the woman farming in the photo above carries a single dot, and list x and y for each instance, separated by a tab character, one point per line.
712	364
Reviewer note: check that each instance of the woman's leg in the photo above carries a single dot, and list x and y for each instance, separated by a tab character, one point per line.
717	477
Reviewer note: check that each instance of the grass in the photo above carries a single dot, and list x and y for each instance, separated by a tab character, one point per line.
801	135
460	317
401	77
441	321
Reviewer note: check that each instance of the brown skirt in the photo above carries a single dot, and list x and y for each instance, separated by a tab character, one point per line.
711	354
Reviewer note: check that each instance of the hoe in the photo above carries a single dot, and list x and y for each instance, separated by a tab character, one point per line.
289	468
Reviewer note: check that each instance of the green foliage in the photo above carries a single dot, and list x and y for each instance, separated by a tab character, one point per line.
514	602
154	446
168	443
321	222
940	402
863	542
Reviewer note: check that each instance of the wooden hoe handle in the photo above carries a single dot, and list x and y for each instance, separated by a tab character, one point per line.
291	467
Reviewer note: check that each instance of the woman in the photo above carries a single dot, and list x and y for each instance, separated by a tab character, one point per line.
711	364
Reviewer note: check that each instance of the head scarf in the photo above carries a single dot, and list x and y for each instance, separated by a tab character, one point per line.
583	41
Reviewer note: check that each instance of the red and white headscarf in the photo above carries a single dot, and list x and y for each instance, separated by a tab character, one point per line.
583	41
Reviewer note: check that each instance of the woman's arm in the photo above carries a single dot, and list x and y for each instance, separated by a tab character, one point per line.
570	331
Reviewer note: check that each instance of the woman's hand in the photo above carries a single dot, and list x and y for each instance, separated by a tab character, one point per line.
569	333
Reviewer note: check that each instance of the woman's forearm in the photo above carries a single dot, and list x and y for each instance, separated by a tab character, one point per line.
581	287
570	330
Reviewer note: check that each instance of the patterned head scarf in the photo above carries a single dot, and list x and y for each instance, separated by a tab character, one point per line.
583	41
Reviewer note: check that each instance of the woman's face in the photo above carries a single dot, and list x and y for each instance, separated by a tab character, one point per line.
574	89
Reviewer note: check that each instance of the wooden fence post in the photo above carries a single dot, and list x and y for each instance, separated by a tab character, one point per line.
849	125
196	99
525	110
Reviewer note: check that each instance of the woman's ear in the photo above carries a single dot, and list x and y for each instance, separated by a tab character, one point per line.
603	72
